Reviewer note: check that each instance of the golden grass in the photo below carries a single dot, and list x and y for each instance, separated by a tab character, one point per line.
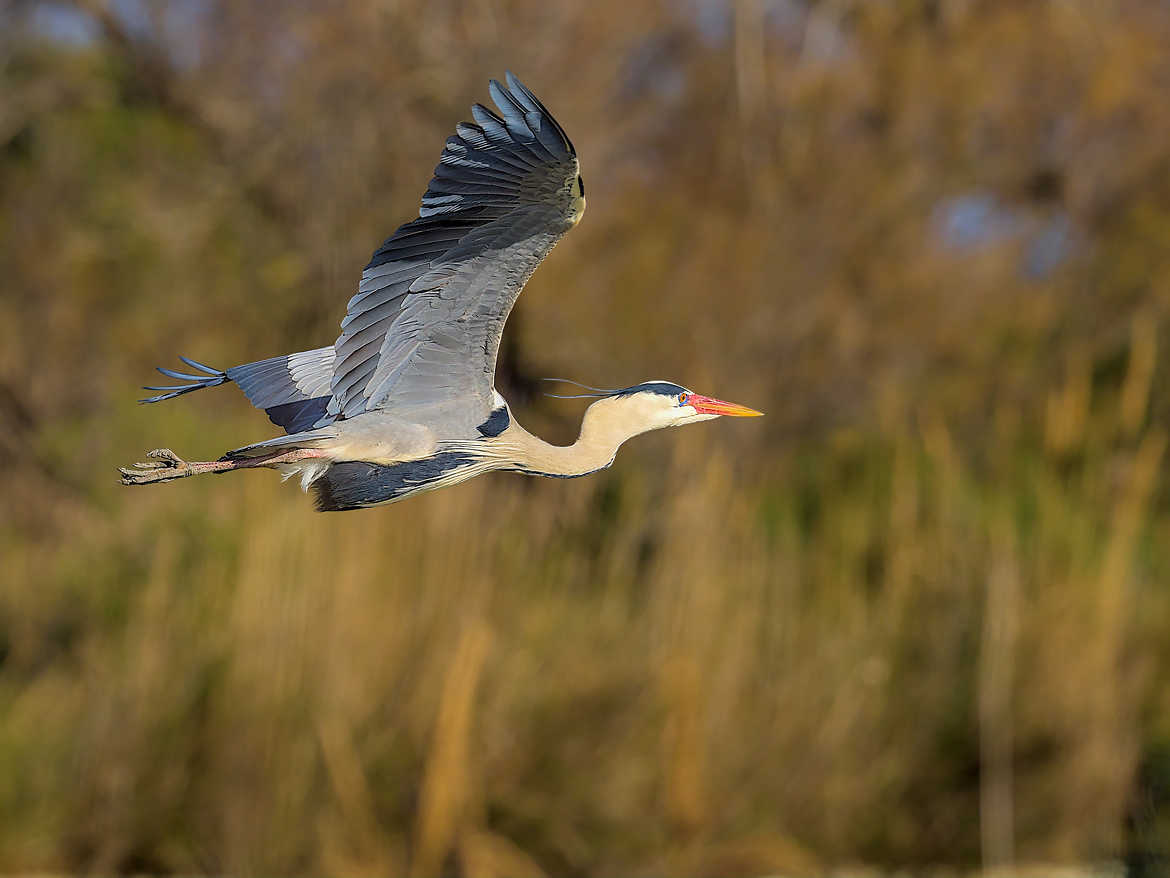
686	663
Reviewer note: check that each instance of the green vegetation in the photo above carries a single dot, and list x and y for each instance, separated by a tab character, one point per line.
918	616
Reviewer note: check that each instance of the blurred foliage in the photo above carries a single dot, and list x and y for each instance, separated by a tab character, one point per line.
918	615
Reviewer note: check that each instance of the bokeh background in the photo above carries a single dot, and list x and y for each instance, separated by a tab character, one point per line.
916	617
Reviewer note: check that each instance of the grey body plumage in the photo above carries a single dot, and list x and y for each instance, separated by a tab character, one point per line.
354	484
404	401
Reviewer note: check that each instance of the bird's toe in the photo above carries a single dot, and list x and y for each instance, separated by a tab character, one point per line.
163	465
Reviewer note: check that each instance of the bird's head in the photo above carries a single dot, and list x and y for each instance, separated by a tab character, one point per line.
653	405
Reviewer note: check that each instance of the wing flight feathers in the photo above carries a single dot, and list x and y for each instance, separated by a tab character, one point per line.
425	324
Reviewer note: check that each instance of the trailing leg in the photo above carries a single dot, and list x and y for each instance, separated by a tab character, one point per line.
164	465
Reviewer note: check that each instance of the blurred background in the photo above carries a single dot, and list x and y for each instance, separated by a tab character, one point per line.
918	617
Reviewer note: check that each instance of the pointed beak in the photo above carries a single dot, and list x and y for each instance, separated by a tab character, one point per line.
705	405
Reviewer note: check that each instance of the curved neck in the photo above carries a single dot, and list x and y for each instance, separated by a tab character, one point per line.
602	433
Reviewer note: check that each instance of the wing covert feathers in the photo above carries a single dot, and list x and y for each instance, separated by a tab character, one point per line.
425	323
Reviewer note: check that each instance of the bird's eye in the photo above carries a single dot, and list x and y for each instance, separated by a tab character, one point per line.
682	398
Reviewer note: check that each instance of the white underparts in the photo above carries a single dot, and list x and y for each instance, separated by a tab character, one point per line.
308	470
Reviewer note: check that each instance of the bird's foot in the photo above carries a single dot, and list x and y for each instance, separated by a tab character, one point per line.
162	466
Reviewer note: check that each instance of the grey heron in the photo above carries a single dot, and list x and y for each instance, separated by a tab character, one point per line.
404	401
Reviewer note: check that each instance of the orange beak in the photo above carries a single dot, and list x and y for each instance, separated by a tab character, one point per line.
705	405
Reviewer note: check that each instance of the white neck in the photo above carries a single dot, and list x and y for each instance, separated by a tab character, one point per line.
603	429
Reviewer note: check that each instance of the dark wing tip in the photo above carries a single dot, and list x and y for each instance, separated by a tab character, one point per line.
524	96
212	378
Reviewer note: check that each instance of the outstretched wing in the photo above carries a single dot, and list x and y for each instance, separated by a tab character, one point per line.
425	325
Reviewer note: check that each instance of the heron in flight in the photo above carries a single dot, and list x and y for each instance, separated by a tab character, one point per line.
404	401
